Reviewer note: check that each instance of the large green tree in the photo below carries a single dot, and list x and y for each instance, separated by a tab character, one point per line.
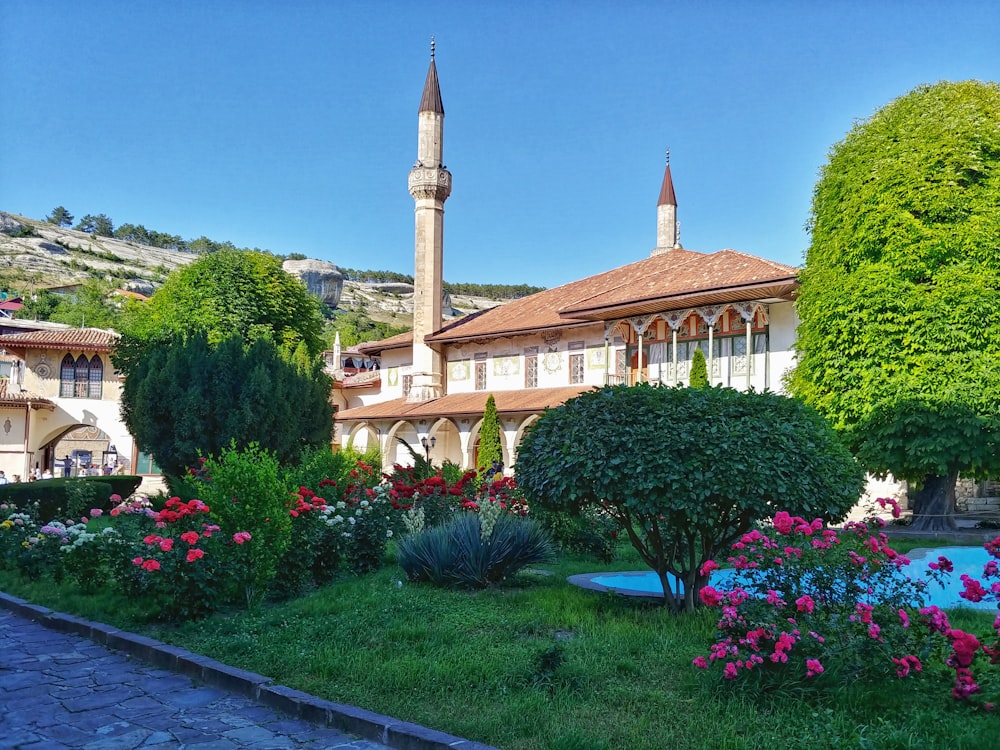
223	293
227	349
899	308
189	398
686	471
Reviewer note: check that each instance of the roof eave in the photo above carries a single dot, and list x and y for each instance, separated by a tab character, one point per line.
680	300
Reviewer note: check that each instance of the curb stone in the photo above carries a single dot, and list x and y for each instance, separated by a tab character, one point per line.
396	734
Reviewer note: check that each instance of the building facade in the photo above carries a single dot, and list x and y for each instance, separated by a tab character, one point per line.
61	398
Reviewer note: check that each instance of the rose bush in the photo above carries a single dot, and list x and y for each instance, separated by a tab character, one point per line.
809	607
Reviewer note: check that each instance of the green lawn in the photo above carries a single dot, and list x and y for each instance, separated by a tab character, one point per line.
541	665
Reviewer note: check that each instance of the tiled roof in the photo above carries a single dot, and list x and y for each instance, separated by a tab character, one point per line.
399	341
21	398
83	339
673	280
732	273
465	404
669	281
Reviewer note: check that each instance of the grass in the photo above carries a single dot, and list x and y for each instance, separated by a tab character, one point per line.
540	665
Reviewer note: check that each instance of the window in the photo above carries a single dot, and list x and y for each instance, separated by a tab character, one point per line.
66	375
575	368
81	377
146	464
96	372
531	371
480	376
407	384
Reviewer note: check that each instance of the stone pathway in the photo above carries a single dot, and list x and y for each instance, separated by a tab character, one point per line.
63	691
60	687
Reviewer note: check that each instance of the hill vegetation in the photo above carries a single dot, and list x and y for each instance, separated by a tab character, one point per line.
68	271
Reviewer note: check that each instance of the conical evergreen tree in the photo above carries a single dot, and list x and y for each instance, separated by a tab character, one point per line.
699	370
490	449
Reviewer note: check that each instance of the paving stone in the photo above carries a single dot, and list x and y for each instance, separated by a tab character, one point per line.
128	741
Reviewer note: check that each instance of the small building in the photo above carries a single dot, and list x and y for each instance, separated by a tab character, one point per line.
61	398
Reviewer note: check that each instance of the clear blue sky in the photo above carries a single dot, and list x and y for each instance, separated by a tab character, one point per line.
291	126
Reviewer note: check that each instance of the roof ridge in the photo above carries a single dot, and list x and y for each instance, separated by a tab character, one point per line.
757	258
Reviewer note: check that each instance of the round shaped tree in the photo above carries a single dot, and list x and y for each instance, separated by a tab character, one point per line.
687	471
899	313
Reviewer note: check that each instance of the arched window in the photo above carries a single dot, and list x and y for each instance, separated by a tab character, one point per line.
81	377
67	372
96	373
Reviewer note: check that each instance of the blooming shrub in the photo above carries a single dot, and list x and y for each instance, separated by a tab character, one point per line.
246	493
438	498
316	547
811	606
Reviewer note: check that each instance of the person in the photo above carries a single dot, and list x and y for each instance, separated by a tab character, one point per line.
67	464
3	478
17	478
46	474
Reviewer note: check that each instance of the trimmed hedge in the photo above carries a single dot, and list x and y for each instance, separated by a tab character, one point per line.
53	498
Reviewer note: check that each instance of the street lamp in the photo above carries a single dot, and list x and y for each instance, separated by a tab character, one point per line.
428	444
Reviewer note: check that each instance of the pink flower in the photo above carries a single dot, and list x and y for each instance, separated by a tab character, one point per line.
195	554
166	544
813	667
943	564
974	591
905	663
96	512
903	617
151	565
783	522
137	561
242	536
191	537
116	498
710	597
729	672
805	604
708	567
700	662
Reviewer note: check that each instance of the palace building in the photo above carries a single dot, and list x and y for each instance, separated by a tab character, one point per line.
638	323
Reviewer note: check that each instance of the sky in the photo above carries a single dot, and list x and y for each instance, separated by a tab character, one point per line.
292	126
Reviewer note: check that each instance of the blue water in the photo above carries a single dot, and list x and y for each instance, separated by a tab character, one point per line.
969	560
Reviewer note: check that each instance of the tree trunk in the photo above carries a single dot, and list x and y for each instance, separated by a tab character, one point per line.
934	505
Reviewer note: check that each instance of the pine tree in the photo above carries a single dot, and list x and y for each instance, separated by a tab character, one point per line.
490	449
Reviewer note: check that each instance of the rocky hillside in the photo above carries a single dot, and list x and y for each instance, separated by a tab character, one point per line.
35	255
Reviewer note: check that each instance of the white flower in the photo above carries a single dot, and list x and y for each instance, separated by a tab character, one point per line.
388	534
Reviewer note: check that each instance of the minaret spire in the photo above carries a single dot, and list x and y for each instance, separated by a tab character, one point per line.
667	236
430	186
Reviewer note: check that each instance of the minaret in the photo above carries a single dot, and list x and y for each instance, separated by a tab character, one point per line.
667	234
430	186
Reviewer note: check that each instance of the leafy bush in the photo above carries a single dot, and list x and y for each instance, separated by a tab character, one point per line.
319	464
245	492
465	552
722	459
591	532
